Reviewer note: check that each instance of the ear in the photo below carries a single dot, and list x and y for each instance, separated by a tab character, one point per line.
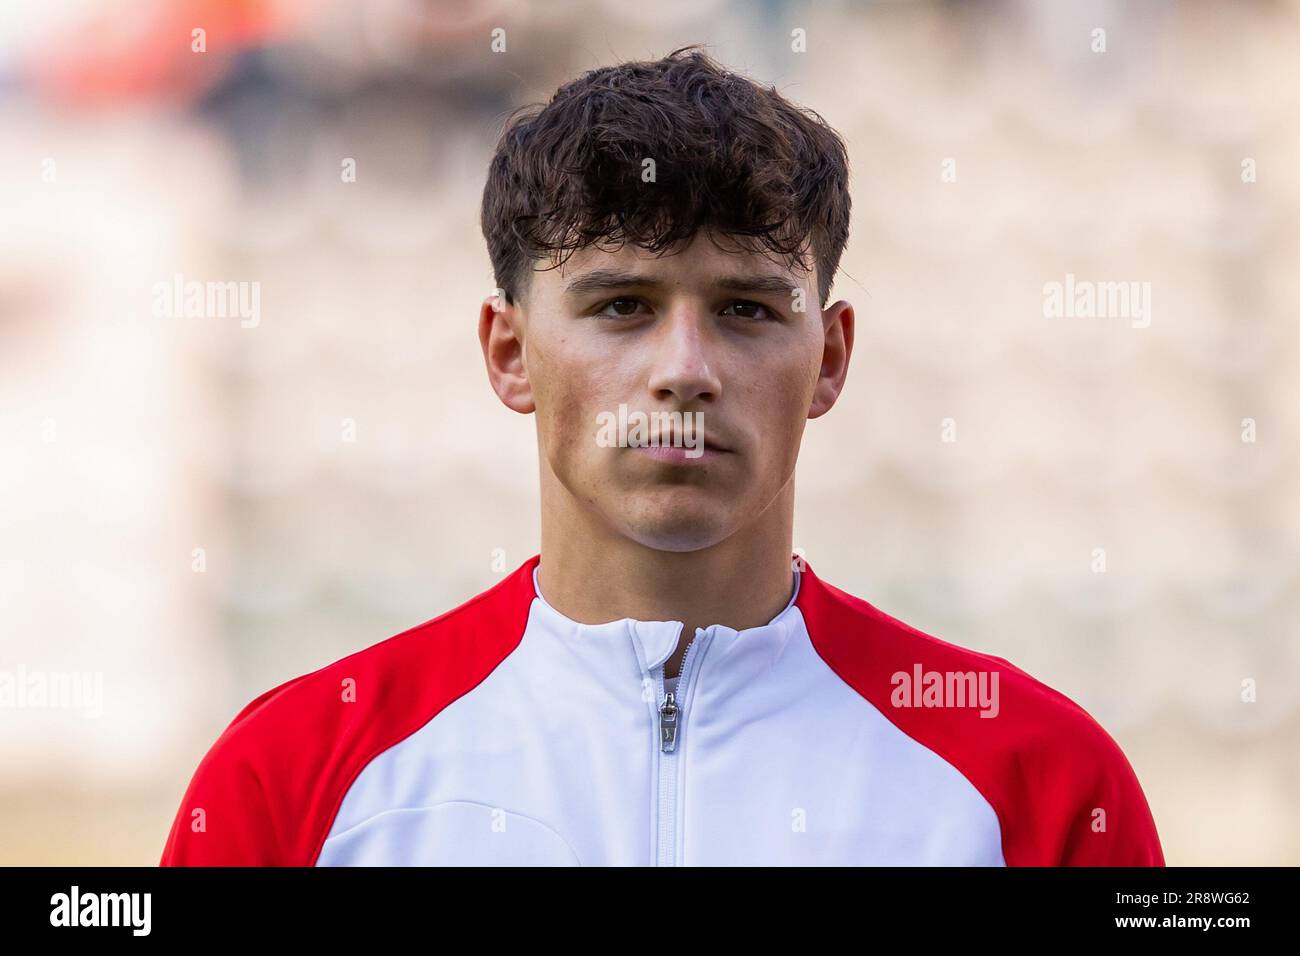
500	333
837	323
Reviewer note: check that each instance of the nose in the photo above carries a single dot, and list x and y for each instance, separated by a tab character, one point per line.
680	365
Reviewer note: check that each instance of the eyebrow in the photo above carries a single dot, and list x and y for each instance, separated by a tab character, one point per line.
600	280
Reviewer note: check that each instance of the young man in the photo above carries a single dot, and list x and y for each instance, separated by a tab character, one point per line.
663	684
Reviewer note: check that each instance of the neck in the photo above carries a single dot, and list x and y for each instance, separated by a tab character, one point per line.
592	574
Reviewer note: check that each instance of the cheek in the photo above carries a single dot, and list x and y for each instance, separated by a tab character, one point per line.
783	389
570	388
778	398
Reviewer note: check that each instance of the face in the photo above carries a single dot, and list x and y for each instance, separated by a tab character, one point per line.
619	340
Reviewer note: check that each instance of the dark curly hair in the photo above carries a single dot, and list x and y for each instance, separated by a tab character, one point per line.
728	154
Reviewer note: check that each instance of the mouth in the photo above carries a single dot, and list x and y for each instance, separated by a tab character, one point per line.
676	454
668	438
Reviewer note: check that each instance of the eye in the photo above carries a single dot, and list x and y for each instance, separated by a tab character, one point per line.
622	306
746	309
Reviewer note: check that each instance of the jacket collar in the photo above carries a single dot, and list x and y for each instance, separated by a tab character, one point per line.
655	641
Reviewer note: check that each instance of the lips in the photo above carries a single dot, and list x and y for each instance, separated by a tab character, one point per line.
671	440
677	455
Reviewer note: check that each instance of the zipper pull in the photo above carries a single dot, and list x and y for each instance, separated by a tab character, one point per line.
668	724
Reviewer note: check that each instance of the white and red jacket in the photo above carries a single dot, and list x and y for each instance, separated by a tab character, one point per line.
503	732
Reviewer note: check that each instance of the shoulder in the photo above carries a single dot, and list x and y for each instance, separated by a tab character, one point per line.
279	771
1061	786
423	665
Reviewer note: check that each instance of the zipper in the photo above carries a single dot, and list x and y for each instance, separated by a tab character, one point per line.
670	727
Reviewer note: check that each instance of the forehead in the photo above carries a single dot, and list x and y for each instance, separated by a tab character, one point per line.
702	259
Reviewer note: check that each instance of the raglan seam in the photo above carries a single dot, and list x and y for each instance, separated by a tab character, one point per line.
1050	695
257	704
362	765
998	813
831	593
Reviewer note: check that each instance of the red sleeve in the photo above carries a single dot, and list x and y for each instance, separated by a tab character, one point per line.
225	818
268	791
1062	787
1063	791
1110	823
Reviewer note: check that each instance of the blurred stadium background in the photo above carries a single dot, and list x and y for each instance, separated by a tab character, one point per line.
182	511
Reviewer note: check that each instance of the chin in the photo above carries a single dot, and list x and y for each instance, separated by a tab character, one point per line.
678	528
